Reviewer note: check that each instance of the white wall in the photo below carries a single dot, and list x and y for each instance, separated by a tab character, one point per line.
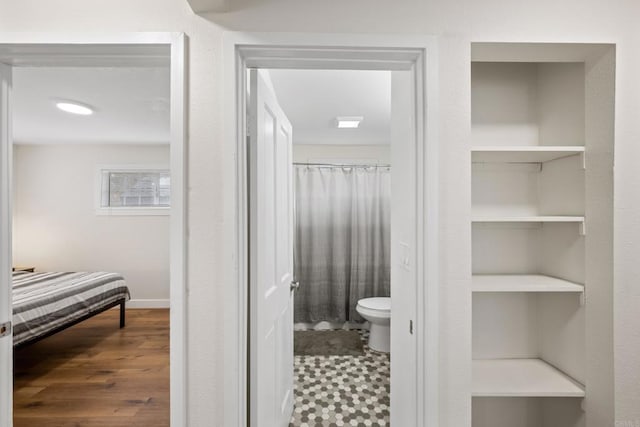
56	227
210	159
313	152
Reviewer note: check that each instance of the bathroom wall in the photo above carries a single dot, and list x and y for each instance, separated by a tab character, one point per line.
308	153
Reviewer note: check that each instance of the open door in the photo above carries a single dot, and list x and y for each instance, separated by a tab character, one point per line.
6	312
270	258
404	381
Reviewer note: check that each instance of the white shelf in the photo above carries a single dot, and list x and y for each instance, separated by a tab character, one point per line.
522	283
531	218
502	219
521	378
522	154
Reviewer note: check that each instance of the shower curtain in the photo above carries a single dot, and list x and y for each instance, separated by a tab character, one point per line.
342	234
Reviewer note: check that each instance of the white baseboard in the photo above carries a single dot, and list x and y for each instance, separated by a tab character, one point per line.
148	303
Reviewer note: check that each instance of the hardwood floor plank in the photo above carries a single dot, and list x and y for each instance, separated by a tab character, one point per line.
97	375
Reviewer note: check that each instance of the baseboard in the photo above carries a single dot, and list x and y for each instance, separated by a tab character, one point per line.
148	303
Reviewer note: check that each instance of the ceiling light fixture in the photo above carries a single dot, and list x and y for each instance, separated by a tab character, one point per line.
348	122
74	108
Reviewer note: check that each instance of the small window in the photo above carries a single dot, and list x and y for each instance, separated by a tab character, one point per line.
143	191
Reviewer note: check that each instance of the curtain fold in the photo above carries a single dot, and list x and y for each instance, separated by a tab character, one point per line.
342	234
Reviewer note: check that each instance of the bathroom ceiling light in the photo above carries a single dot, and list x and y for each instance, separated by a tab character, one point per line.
348	122
74	108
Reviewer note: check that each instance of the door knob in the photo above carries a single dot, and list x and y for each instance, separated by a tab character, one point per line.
294	286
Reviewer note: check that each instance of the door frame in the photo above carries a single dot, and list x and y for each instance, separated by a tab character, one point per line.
79	49
6	157
333	51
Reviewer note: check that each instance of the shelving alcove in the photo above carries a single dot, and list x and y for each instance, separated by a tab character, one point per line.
538	228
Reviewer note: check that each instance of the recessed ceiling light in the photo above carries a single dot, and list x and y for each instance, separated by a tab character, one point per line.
74	108
348	122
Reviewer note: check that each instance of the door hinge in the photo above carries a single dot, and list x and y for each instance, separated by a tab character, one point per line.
411	327
5	329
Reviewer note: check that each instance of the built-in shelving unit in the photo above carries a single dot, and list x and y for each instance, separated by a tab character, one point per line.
522	154
533	153
522	283
521	378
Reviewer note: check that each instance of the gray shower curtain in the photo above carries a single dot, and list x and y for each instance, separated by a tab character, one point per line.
342	234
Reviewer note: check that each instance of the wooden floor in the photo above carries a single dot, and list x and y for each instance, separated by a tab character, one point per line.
95	374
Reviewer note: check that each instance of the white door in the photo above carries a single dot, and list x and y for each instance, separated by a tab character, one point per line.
404	385
6	312
270	258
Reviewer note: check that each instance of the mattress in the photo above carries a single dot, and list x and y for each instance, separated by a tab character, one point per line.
46	301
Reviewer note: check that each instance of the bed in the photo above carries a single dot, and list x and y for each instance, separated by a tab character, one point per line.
45	303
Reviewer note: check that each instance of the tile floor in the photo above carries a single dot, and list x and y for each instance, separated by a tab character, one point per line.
335	391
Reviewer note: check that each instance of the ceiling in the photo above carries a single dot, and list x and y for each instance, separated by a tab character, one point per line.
312	99
131	105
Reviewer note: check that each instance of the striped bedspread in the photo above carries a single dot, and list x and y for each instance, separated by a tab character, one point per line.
43	302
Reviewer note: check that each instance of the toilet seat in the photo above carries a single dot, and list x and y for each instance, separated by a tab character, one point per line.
378	305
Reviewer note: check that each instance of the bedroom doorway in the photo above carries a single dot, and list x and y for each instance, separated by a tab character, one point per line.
412	332
136	50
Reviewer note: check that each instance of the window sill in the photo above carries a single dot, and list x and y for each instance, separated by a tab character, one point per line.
133	211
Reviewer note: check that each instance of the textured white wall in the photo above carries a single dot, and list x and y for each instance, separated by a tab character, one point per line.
211	181
56	227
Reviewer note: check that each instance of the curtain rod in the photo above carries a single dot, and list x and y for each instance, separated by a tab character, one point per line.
342	165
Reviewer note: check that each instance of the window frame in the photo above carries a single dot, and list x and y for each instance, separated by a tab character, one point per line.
127	210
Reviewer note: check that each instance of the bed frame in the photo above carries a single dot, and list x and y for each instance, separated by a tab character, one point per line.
121	303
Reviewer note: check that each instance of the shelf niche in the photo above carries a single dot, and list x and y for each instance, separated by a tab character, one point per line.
541	136
527	104
529	192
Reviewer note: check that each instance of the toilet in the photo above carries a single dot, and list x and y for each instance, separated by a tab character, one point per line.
378	312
